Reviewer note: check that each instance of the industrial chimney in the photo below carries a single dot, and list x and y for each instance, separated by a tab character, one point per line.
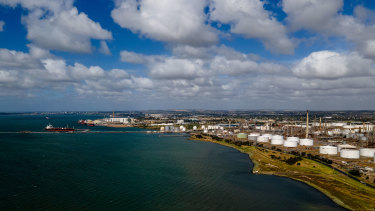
307	123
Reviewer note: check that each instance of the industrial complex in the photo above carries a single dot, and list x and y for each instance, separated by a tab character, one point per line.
343	140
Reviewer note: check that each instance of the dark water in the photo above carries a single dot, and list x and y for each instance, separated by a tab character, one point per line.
134	171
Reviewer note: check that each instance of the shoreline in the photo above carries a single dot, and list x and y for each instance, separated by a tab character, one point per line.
321	181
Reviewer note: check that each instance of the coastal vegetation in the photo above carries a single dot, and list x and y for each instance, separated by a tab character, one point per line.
343	190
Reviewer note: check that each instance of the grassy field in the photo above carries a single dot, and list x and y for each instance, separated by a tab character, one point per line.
344	191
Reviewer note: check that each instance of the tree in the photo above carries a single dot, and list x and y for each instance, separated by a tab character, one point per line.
355	172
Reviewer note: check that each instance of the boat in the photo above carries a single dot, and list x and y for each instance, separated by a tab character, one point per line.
82	121
49	127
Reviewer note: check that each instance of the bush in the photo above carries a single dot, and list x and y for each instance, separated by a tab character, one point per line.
355	172
292	160
199	136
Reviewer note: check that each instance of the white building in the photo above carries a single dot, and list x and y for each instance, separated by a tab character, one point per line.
119	120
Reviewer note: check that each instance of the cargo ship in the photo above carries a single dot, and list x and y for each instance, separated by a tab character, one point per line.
49	127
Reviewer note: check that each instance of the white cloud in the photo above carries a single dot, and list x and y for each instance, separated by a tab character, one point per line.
81	72
250	19
333	65
221	76
57	25
2	23
132	57
311	14
55	70
173	68
22	73
174	21
104	48
324	17
233	67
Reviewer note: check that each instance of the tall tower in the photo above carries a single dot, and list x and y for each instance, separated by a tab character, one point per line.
320	123
307	124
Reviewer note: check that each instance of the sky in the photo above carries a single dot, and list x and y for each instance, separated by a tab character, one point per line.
103	55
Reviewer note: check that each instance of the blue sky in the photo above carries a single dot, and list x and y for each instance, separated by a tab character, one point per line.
186	54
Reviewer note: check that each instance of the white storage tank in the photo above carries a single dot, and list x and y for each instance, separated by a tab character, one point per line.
289	143
367	152
277	140
269	136
328	150
349	153
262	139
306	142
345	146
253	136
293	139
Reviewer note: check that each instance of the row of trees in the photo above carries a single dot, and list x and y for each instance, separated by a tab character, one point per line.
230	141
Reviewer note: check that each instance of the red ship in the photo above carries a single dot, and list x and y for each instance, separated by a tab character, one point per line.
49	127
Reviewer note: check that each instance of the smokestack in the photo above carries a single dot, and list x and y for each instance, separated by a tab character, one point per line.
307	123
320	123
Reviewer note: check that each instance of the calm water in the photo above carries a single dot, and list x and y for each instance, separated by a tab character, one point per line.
134	171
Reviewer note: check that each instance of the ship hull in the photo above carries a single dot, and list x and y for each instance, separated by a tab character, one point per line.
61	130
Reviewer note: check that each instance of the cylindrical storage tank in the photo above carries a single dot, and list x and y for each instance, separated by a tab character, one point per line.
262	139
367	152
306	142
277	140
242	135
328	150
269	136
349	153
253	136
293	139
345	146
289	143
